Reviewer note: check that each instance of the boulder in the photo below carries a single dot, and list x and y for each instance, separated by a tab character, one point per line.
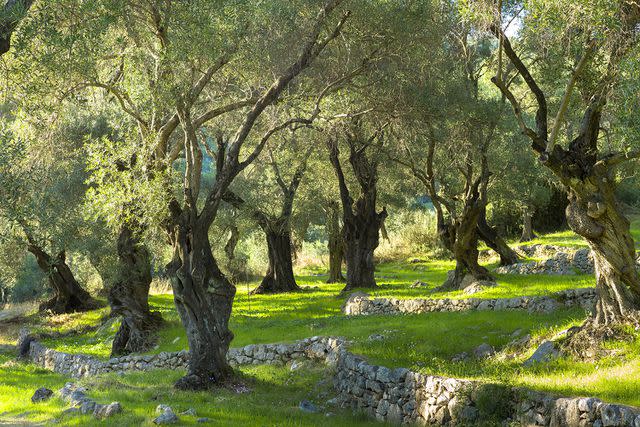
106	411
167	416
483	351
42	394
307	406
545	352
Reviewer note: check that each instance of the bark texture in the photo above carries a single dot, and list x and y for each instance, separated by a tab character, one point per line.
203	297
491	237
527	227
129	297
361	220
230	246
279	276
335	244
587	174
462	238
68	295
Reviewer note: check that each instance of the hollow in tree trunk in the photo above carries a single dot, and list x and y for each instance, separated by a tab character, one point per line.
203	297
491	237
68	295
129	297
527	228
279	277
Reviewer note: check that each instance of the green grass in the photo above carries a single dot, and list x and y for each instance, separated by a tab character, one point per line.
570	239
273	400
423	343
275	318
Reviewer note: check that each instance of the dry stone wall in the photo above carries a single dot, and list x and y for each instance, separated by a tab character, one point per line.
559	261
402	396
80	365
391	395
363	304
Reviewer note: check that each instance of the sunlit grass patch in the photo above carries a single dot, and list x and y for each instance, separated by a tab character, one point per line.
273	400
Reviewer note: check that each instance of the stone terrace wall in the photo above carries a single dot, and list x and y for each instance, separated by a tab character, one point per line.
391	395
362	304
80	365
401	396
560	261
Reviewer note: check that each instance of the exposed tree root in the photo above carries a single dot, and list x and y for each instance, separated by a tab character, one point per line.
586	342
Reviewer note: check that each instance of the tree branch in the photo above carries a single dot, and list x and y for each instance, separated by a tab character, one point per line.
541	114
564	104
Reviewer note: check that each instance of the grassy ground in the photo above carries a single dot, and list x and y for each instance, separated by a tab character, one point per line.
424	342
569	239
275	393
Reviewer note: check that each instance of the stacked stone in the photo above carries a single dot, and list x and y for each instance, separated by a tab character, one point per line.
401	396
79	365
560	264
539	409
582	260
362	304
540	251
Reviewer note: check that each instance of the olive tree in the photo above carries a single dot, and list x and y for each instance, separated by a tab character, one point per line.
598	41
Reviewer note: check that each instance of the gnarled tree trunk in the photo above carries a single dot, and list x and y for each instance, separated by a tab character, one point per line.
361	221
527	228
595	214
335	245
68	295
361	238
491	237
587	174
465	246
129	297
279	276
204	298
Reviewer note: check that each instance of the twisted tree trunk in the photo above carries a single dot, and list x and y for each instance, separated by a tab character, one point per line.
462	239
203	297
527	228
335	245
595	214
588	175
279	276
361	238
491	237
68	295
129	297
361	221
